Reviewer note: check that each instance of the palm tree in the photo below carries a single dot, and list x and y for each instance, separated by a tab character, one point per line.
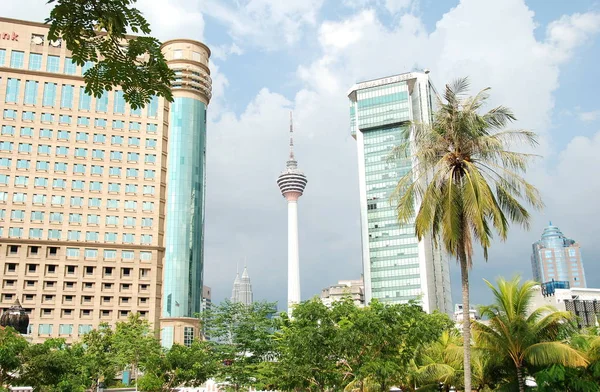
467	181
441	362
526	338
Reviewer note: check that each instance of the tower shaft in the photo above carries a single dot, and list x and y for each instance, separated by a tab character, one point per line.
293	255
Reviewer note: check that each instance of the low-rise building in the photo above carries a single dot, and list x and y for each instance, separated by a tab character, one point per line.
584	303
345	288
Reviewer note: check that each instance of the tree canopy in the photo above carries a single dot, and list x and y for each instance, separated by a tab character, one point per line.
97	31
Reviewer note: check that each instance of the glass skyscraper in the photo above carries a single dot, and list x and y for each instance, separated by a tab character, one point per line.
396	266
556	257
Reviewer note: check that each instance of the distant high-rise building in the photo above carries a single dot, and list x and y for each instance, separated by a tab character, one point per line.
353	289
206	298
292	183
397	267
556	257
242	288
101	204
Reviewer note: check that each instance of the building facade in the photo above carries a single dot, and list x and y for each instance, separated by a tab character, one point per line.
583	303
556	257
84	219
353	289
396	266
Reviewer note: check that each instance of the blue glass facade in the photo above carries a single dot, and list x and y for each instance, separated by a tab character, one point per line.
183	268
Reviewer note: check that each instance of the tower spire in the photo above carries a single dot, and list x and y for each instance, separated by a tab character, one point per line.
291	137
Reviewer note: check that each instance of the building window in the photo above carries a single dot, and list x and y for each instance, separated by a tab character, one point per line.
8	130
188	336
31	90
135	126
97	170
114	171
75	218
40	182
35	233
10	114
117	124
12	90
102	103
133	157
116	139
97	154
60	167
153	107
77	185
35	61
133	142
74	235
64	135
86	66
94	202
99	138
70	66
39	199
128	238
112	204
130	189
65	329
92	236
2	56
66	96
26	132
16	59
52	63
148	190
100	122
114	187
44	132
119	104
45	329
146	239
95	186
64	119
54	234
127	255
85	100
93	219
76	201
147	206
110	237
49	94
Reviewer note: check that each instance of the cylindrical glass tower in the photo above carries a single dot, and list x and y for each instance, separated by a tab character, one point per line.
184	226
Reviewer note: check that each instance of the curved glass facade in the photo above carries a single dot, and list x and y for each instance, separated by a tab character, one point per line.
184	233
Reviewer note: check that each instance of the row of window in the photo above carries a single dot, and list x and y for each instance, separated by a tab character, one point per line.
70	270
65	119
52	252
79	152
59	200
75	235
79	185
51	99
77	201
51	285
92	219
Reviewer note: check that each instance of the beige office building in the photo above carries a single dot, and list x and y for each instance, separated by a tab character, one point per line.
85	188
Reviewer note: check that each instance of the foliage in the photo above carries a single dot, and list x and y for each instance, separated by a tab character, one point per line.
134	343
180	365
323	348
12	346
53	366
99	358
526	339
466	180
96	31
240	338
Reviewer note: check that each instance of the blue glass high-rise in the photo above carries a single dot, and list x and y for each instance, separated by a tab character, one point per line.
184	226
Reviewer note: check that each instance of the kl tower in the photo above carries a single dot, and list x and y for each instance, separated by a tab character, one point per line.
292	183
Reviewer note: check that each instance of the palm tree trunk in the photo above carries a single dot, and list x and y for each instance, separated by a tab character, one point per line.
520	378
464	273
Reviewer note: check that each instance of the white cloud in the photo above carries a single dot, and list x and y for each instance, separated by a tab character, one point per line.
589	116
174	18
222	52
571	31
395	6
265	23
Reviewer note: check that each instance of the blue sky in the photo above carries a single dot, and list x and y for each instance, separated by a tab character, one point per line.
270	56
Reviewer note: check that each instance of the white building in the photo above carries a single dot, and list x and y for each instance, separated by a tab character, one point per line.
458	313
397	267
584	303
343	289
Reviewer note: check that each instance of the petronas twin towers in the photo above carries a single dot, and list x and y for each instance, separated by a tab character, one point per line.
242	288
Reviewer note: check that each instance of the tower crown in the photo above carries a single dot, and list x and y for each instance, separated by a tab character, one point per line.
292	181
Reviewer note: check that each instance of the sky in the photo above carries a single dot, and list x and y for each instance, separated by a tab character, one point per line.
540	57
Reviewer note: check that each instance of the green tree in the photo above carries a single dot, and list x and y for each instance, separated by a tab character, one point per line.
96	31
241	339
441	362
99	355
308	348
525	339
12	347
134	344
53	366
178	366
467	181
